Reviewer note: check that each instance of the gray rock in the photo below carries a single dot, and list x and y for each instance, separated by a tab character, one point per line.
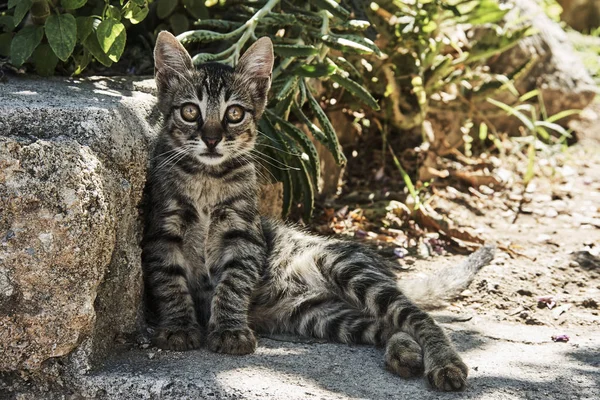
582	15
555	68
73	159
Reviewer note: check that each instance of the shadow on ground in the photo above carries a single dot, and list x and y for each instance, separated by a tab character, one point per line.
288	368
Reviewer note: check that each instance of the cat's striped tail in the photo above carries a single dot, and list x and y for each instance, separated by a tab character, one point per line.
434	291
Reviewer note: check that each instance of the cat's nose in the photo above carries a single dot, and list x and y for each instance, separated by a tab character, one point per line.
211	142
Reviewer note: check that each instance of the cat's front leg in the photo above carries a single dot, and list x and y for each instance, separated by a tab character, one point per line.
167	290
236	255
168	296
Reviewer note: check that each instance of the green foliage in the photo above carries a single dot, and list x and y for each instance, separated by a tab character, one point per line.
437	67
538	126
324	50
70	33
309	37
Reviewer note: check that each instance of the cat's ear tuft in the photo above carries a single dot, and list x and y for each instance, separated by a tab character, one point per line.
170	59
257	61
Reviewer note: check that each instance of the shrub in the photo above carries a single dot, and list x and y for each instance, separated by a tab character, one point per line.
411	57
325	50
72	31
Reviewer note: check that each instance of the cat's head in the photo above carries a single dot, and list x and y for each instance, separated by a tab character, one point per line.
212	111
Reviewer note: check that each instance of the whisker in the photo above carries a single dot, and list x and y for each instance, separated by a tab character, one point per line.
258	171
268	137
182	150
253	151
288	168
279	150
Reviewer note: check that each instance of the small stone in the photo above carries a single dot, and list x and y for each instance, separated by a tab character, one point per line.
524	292
589	303
151	355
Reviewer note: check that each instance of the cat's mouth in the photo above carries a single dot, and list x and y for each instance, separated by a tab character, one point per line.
212	155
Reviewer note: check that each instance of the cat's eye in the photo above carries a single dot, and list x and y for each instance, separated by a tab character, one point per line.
234	114
190	112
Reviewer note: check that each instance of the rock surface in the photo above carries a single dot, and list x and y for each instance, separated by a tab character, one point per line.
554	66
72	170
582	15
73	157
506	362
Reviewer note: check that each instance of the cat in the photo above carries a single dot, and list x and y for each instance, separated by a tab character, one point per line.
215	272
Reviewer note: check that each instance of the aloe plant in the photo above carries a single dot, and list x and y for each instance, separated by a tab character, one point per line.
310	39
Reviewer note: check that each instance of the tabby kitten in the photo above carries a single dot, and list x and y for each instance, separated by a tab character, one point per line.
215	272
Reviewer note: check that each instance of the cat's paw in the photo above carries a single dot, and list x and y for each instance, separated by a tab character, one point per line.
178	339
403	356
232	341
407	364
450	377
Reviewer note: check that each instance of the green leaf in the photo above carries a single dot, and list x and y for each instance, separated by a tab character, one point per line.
315	70
179	23
82	61
278	20
555	127
201	58
351	43
5	40
139	16
24	43
483	131
268	130
563	114
44	60
302	94
85	26
6	21
113	12
72	4
111	37
21	10
289	85
334	145
300	137
295	50
61	31
357	90
333	7
12	3
308	191
512	111
485	11
217	24
354	25
201	36
196	8
165	8
348	67
93	46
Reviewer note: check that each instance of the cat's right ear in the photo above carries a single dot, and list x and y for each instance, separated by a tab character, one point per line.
171	60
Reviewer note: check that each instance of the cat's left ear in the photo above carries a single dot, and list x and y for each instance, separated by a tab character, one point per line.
254	69
171	61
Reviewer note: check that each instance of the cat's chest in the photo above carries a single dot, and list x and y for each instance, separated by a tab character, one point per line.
206	192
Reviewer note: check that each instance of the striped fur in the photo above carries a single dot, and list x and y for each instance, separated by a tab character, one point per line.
216	272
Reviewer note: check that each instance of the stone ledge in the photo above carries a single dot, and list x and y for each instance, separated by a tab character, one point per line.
73	159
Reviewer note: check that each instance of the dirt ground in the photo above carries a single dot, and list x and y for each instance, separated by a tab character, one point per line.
547	267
